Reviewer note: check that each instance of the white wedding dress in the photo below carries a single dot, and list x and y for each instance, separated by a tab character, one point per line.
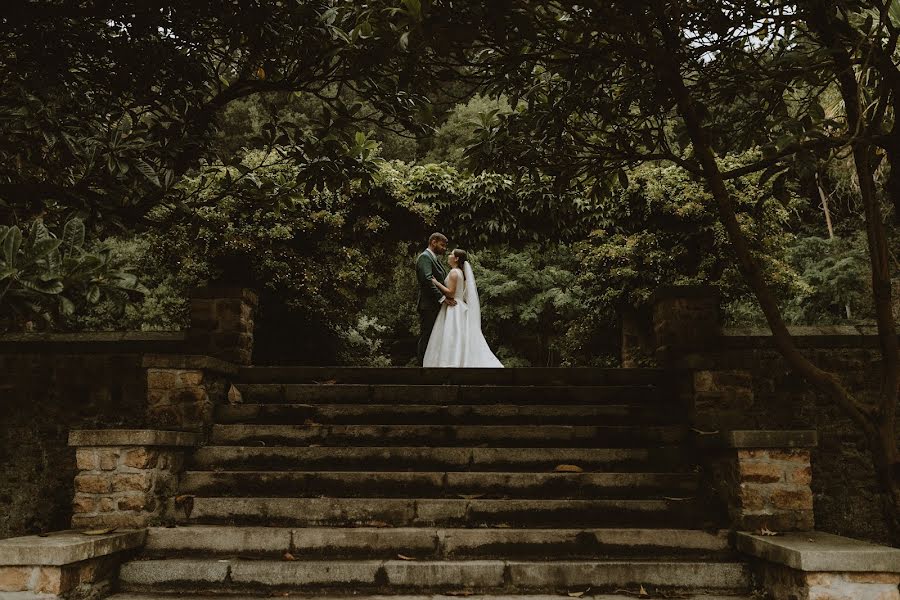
456	340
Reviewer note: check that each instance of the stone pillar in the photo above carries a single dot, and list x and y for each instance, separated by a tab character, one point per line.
685	319
222	323
763	477
183	389
125	476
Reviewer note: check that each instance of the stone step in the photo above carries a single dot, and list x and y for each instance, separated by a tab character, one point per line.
436	484
300	393
426	575
631	596
424	458
417	376
494	414
592	436
447	512
426	543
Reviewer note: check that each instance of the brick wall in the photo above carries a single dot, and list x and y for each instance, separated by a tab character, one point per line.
49	385
845	492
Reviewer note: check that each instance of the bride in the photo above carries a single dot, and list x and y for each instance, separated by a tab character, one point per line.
456	340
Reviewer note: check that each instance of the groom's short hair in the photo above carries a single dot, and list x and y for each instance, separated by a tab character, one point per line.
436	236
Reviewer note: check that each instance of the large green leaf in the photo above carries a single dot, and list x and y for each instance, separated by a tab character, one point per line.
73	238
52	287
42	249
11	244
147	170
93	294
894	12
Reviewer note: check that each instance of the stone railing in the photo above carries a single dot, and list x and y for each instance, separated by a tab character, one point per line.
54	383
735	379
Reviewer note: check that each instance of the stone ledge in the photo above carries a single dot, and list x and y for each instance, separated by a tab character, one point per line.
67	547
189	361
817	551
100	342
752	438
132	437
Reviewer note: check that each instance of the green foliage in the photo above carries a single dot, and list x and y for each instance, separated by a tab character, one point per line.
48	278
318	254
162	307
361	344
452	138
104	111
487	208
530	299
663	230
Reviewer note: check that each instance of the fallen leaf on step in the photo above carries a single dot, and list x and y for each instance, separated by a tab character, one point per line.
568	469
461	593
48	535
578	594
470	496
99	531
502	525
404	557
326	382
234	396
766	531
186	503
311	423
678	499
378	524
642	592
288	556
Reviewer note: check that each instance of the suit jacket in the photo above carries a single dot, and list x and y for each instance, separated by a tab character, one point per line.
430	297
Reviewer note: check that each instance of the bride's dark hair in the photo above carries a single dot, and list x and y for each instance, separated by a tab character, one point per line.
461	258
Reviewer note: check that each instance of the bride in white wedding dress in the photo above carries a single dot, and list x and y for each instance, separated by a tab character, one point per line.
456	340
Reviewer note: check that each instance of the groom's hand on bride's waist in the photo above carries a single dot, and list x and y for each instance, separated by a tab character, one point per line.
451	302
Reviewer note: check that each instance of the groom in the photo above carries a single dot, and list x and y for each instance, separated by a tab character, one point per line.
428	265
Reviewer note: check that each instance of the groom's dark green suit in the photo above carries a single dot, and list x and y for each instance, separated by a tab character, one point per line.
429	303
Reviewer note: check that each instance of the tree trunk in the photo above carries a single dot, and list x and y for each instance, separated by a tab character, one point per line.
885	417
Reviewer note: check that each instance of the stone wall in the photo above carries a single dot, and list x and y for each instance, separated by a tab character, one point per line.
846	494
741	382
49	385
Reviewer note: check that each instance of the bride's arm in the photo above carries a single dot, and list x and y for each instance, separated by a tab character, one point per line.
448	291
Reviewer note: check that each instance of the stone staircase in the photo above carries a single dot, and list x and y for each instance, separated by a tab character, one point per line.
338	482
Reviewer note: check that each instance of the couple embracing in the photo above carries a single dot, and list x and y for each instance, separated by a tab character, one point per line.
449	310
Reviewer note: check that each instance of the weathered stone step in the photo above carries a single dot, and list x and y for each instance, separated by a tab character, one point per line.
424	543
399	575
298	393
424	458
436	484
594	436
182	595
447	512
417	376
496	414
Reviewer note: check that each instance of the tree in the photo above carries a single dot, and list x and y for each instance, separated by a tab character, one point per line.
107	105
601	87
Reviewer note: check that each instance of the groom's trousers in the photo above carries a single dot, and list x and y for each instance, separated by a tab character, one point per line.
426	324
